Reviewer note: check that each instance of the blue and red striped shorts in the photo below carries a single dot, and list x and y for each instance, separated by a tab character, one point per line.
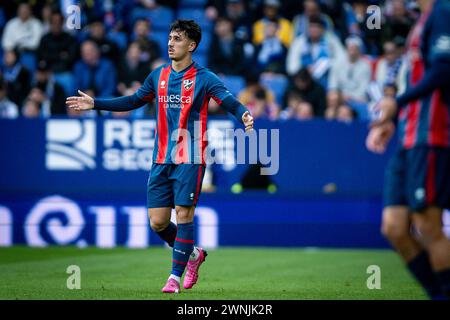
171	185
418	178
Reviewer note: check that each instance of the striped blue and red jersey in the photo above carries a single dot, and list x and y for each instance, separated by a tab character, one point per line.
424	115
181	100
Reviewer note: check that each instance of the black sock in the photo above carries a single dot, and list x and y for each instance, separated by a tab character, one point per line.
420	267
443	277
169	234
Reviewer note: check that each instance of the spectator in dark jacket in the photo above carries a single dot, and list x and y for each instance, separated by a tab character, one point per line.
226	53
108	49
142	35
131	69
309	90
17	78
93	72
57	47
53	94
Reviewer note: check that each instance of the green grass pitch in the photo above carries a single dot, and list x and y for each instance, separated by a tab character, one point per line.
228	273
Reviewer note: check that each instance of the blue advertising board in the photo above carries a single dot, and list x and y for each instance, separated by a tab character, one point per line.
114	156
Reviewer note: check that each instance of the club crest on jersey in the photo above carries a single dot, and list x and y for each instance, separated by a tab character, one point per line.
187	84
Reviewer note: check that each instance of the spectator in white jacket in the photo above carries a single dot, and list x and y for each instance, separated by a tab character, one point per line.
352	77
316	50
22	32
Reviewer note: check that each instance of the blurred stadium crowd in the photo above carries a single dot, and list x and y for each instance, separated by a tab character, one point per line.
282	59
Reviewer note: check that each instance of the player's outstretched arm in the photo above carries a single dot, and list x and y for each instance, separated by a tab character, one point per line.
85	102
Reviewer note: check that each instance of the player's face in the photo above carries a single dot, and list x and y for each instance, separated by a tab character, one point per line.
179	45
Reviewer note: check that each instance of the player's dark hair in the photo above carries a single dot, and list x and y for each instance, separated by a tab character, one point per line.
190	28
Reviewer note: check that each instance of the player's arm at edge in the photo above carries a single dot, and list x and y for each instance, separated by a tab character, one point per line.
233	106
223	97
437	75
125	103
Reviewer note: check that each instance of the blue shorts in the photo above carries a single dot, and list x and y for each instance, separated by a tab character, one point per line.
418	178
171	185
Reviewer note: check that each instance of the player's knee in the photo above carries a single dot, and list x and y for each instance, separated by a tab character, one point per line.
394	233
429	230
158	225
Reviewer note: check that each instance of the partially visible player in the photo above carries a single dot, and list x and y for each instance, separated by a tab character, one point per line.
182	90
417	181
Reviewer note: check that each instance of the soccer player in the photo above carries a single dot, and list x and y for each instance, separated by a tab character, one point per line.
182	90
417	180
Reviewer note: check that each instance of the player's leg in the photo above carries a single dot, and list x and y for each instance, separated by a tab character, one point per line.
161	224
184	241
396	228
160	203
396	225
182	247
428	181
187	179
431	235
187	188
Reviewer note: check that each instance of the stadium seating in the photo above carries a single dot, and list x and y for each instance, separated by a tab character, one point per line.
66	81
160	18
233	83
205	42
161	37
196	14
2	19
119	38
277	84
192	3
29	61
201	58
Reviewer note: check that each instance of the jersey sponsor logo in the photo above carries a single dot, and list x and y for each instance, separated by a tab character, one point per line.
163	84
174	101
187	84
70	144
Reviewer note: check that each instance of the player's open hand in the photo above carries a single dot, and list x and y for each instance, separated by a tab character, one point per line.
387	108
379	136
82	103
247	119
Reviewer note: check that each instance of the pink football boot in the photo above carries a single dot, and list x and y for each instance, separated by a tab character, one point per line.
191	276
172	286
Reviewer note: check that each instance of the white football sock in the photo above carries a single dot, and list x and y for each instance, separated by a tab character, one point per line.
194	255
177	278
